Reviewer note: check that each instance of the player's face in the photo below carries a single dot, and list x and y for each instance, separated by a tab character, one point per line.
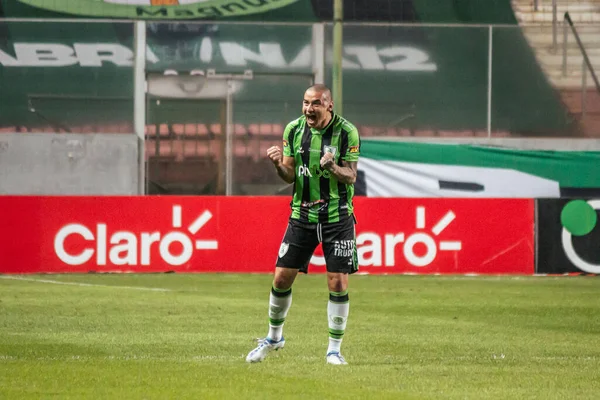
317	107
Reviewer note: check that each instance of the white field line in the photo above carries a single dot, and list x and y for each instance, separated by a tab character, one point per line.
386	359
18	278
121	358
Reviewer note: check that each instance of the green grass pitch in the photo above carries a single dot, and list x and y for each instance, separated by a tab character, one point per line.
408	337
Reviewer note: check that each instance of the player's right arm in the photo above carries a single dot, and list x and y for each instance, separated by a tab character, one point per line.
283	159
284	165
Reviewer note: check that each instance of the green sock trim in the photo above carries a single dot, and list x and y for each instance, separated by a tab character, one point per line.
280	292
336	331
276	322
334	335
339	294
339	297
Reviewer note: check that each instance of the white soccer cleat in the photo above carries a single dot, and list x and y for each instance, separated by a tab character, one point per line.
335	358
264	347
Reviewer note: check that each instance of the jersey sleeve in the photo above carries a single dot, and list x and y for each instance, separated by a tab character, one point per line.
353	149
287	139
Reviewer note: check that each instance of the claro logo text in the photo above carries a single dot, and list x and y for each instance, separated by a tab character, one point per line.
123	247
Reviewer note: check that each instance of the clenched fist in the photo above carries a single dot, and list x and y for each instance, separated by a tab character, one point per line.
275	155
327	161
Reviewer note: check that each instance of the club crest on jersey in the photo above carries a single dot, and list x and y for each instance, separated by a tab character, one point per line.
283	249
286	144
353	149
330	149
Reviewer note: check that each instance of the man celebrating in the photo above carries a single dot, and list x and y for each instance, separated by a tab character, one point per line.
320	156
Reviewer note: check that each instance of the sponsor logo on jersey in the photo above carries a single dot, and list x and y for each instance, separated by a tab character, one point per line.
330	149
283	249
322	204
303	170
343	248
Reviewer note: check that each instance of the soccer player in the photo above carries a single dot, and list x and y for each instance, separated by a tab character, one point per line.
319	156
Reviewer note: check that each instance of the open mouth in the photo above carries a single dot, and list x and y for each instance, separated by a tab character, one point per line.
311	118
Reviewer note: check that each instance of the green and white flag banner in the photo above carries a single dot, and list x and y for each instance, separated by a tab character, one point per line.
159	9
408	169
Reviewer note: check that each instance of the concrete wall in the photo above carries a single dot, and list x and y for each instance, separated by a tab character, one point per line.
108	164
68	164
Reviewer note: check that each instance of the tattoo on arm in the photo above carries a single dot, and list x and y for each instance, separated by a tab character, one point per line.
286	169
346	173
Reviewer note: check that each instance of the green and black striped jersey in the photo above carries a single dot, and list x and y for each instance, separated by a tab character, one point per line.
318	196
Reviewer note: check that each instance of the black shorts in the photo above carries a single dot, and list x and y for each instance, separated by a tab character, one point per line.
338	240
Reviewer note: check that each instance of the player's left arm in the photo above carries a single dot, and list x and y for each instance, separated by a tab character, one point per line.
346	171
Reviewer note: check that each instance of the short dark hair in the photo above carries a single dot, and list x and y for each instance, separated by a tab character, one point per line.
319	87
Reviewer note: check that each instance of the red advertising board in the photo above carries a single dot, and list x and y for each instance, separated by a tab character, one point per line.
242	234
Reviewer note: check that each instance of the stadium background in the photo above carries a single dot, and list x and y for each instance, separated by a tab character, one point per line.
456	101
479	168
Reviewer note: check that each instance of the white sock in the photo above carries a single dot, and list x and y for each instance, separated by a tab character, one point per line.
338	308
279	304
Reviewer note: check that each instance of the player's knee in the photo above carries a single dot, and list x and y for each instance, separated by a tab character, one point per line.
283	281
337	287
337	282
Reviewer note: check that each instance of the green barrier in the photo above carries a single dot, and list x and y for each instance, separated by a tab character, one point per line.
50	78
523	101
465	11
